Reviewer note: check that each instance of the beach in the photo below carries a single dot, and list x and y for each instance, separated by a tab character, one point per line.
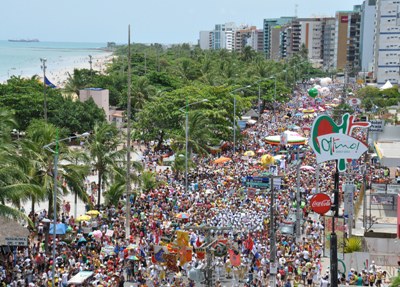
60	75
24	59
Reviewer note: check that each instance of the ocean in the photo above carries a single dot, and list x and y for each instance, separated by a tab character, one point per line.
23	58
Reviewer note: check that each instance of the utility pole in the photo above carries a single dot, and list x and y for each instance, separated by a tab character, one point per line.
298	231
128	144
272	236
43	66
333	255
208	248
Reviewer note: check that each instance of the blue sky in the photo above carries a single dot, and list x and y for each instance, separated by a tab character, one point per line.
161	21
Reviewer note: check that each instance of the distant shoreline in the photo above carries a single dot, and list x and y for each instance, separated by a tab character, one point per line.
59	75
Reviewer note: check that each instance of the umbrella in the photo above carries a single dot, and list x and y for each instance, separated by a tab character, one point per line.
307	168
97	234
93	212
267	159
222	160
133	257
183	215
298	114
261	150
132	246
83	218
249	153
82	239
61	229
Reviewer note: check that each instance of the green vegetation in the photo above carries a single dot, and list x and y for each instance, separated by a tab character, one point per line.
353	244
25	97
372	97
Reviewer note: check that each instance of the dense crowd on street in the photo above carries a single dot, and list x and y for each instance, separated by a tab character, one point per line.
237	218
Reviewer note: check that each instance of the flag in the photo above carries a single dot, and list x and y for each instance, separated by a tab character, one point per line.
220	249
248	243
159	251
234	258
185	255
201	254
182	238
48	83
170	260
198	242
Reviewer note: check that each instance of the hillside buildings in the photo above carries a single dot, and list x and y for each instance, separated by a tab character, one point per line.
365	39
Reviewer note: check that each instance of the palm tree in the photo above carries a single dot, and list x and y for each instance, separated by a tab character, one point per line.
80	79
200	134
14	182
79	168
103	150
41	163
118	188
142	92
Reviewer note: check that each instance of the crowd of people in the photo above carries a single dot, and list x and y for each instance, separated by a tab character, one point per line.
172	229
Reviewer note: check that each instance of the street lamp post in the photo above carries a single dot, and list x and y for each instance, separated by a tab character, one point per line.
55	171
273	104
43	66
90	63
234	115
186	107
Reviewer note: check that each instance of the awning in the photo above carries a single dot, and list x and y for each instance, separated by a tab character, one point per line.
388	152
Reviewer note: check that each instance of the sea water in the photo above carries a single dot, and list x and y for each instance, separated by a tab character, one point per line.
23	58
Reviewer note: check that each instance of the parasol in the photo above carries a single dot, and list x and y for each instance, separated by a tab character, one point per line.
83	218
307	168
93	212
183	215
222	160
249	153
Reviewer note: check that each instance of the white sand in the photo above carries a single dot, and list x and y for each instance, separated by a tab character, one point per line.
60	76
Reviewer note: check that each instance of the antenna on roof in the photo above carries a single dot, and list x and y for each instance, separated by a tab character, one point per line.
295	9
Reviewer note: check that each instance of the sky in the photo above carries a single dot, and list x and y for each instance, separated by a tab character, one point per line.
152	21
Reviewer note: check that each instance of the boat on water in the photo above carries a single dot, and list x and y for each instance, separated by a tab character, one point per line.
23	40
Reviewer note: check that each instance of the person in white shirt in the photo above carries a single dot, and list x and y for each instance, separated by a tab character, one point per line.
324	281
64	279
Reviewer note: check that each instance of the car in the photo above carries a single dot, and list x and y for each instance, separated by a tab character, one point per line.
287	229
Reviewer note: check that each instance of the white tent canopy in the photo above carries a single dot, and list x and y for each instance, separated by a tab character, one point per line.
80	278
387	85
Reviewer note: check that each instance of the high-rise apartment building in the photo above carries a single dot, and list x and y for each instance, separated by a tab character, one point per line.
232	38
248	36
387	42
270	28
367	35
328	43
347	40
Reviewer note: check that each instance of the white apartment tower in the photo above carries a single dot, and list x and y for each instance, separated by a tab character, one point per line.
387	42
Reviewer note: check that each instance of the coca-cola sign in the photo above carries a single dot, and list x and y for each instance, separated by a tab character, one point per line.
321	203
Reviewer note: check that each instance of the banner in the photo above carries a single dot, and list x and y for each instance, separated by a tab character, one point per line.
339	146
393	189
330	141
